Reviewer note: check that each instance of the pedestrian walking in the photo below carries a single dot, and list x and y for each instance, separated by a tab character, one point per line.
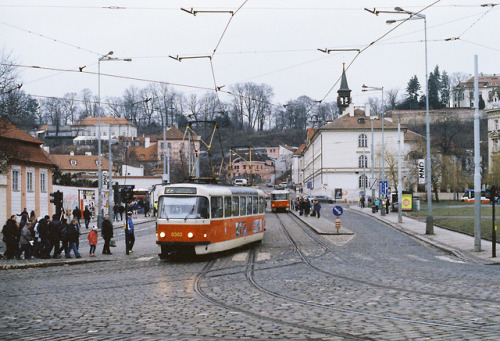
26	242
155	208
135	208
116	211
122	211
307	207
11	236
107	234
72	236
146	209
87	215
64	232
54	235
92	237
317	208
387	205
24	215
129	233
362	201
77	214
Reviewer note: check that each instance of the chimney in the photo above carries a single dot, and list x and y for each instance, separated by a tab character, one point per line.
71	153
367	110
88	153
147	142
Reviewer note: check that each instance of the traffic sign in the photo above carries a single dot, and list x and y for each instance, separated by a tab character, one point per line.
382	187
337	211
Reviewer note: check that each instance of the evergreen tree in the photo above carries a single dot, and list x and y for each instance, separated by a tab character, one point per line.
445	90
434	89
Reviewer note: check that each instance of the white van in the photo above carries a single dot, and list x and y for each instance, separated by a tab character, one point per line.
240	182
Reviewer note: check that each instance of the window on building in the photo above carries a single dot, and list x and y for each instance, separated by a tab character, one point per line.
43	182
29	181
362	140
363	161
496	124
169	145
142	156
137	143
72	162
363	181
15	180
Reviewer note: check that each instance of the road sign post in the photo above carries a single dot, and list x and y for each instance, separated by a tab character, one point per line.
337	223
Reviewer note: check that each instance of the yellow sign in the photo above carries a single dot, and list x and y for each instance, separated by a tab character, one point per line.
407	202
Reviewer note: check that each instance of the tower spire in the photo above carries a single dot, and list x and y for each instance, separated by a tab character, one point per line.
344	93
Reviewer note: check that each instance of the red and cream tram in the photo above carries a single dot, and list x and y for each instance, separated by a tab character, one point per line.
208	218
280	201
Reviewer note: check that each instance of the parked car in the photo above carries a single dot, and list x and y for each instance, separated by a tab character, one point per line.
323	198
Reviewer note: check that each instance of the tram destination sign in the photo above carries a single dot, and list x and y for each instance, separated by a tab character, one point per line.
180	190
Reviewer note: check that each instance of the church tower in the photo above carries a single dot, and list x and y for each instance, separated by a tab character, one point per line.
344	93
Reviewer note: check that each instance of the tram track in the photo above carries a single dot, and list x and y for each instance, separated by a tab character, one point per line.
365	282
199	290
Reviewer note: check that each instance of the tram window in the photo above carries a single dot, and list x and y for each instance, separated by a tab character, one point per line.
249	205
243	205
236	206
255	206
227	206
282	196
216	207
183	207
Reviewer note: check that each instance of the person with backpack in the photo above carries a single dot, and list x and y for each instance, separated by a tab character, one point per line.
11	236
107	234
77	214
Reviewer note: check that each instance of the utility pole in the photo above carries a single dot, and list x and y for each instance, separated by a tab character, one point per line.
477	164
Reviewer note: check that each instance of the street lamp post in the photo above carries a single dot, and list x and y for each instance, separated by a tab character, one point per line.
372	88
429	226
103	58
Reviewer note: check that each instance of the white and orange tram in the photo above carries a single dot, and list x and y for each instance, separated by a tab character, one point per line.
280	200
201	219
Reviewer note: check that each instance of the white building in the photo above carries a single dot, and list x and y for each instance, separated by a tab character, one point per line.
337	159
87	129
489	90
493	137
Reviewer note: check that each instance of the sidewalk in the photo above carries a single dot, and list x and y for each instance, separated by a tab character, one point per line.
458	244
83	249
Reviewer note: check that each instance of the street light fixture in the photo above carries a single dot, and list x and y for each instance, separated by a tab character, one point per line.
372	88
103	58
429	226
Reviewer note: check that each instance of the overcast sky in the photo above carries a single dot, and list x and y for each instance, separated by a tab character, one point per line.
267	41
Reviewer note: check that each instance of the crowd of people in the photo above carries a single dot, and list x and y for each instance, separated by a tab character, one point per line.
307	207
47	237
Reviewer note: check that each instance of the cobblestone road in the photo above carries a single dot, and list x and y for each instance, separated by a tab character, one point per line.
379	284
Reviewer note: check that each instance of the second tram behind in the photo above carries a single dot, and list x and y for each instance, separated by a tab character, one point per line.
280	201
201	219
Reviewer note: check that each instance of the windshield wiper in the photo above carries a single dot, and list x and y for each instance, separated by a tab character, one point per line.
187	215
163	211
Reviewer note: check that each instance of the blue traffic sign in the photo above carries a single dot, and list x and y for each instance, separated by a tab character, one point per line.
383	186
337	211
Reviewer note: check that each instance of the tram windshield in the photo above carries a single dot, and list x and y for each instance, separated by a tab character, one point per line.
283	196
183	208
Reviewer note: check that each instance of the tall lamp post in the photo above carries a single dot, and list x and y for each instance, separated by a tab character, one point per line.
429	226
103	58
372	88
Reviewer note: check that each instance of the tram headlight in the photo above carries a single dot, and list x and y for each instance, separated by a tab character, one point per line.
190	235
162	234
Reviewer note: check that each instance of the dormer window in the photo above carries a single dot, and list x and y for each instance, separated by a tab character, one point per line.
72	162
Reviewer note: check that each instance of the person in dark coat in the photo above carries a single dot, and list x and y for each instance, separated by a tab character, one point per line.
107	234
317	208
116	211
55	228
43	234
87	215
307	207
64	232
77	214
121	210
26	242
129	234
24	215
387	205
11	236
72	235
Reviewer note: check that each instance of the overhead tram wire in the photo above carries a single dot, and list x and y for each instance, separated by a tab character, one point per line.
50	38
375	42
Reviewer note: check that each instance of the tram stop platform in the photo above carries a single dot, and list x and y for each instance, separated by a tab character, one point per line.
322	225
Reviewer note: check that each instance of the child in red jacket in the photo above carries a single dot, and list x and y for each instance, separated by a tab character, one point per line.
92	237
